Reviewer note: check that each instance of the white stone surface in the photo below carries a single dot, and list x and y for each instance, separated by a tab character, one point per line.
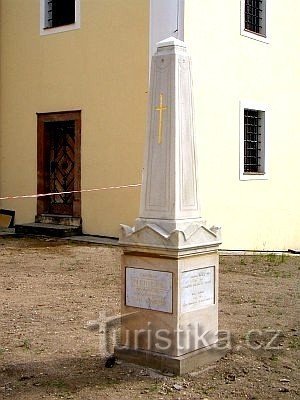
197	288
170	184
170	209
170	261
189	235
149	289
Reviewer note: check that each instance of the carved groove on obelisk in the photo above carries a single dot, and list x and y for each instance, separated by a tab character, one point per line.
189	195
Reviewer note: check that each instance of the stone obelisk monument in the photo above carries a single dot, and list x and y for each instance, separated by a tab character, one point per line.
170	261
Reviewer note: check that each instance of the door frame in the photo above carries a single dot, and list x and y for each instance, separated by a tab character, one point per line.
42	148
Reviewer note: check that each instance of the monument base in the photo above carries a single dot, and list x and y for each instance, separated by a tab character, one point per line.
180	365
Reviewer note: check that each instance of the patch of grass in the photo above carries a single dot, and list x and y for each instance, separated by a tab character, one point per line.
2	351
243	262
277	274
39	351
295	343
274	357
274	259
59	384
26	344
154	388
269	259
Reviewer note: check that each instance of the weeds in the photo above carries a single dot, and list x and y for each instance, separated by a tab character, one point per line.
2	351
26	344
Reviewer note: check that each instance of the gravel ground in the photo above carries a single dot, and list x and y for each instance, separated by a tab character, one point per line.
52	290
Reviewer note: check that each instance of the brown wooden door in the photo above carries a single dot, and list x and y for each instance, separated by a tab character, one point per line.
61	166
59	163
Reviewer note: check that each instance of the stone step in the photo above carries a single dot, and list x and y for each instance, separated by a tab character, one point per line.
58	219
56	230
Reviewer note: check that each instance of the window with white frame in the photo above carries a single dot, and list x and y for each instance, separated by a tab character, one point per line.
254	15
59	15
253	142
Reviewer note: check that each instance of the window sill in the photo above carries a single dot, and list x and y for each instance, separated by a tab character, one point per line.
252	176
255	36
59	26
59	29
254	173
256	33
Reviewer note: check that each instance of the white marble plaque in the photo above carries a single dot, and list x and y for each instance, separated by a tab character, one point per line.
149	289
197	289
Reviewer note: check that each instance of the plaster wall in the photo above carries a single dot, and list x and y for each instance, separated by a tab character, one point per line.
229	68
101	69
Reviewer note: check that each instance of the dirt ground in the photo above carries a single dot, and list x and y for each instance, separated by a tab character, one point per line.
52	289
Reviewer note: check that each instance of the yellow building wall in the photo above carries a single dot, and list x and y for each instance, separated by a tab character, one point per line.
227	68
101	69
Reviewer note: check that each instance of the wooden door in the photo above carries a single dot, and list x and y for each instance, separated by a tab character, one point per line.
59	163
61	166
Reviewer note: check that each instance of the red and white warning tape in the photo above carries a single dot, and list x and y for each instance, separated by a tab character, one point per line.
28	196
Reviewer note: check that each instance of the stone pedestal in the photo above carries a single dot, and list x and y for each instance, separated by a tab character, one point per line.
170	262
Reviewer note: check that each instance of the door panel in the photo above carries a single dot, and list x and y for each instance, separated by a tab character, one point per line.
61	166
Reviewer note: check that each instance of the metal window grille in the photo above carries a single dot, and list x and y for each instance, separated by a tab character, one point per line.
254	16
60	12
252	140
49	18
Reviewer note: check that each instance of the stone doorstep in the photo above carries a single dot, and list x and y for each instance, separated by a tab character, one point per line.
6	232
102	240
177	365
55	219
54	230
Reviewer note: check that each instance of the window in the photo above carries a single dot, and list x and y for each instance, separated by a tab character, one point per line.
59	12
59	16
253	132
254	15
253	142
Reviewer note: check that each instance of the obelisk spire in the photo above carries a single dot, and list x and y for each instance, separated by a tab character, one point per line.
169	214
170	184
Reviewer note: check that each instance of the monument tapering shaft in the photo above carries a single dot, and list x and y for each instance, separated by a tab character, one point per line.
169	189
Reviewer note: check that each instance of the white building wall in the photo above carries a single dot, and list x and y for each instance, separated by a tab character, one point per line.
229	68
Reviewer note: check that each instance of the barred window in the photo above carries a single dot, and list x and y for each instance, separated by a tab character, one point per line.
255	16
252	140
59	13
58	16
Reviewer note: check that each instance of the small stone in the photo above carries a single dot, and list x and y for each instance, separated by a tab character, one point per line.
92	325
177	387
231	377
143	372
166	373
283	390
26	377
284	380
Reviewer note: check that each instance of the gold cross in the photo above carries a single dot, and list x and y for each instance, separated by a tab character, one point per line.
160	108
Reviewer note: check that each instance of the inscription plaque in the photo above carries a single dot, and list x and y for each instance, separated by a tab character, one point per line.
197	289
149	289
